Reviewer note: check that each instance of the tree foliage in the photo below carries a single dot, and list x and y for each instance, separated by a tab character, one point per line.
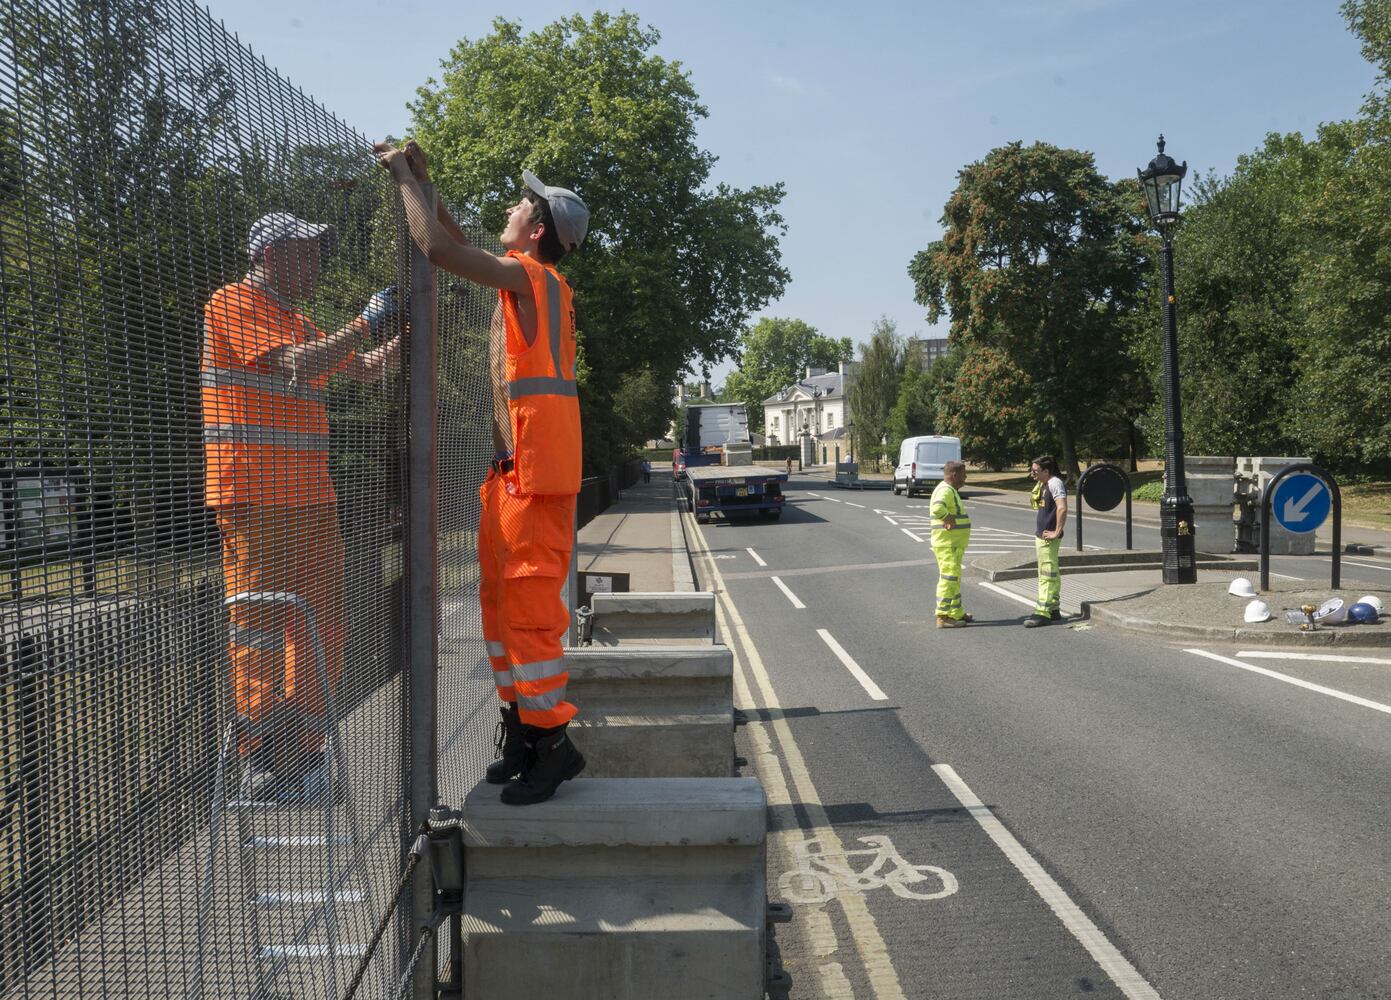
774	353
874	390
1042	261
672	267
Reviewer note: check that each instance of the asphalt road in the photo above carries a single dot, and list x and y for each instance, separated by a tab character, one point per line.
997	812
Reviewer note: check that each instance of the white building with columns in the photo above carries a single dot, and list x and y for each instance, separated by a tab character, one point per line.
814	412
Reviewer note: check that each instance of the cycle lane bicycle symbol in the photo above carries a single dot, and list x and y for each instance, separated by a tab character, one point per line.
820	877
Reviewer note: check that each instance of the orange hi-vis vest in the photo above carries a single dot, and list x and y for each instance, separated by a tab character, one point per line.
265	438
542	402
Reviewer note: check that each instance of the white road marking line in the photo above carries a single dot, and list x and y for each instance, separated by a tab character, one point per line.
864	932
1297	682
878	511
852	666
1286	576
916	538
891	520
811	494
1008	593
790	596
1126	977
756	557
832	499
859	505
1349	562
1257	654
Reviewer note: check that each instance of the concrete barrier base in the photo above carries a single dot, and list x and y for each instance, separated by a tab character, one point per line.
618	889
654	711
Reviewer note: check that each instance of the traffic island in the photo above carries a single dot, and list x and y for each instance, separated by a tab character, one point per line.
1023	565
629	889
654	711
1205	612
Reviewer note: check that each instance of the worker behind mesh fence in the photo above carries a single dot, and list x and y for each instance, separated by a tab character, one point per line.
951	533
526	533
266	439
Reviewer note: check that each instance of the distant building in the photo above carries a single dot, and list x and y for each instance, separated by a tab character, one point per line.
929	349
814	412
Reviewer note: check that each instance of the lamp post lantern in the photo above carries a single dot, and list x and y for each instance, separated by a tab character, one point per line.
1162	181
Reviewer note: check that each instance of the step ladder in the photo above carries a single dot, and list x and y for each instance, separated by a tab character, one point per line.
297	861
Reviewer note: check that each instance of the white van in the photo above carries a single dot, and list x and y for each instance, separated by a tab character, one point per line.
920	461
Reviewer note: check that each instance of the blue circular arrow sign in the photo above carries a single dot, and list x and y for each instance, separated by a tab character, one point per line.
1301	502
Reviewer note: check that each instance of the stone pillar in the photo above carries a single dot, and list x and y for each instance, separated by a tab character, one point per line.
1263	470
1210	482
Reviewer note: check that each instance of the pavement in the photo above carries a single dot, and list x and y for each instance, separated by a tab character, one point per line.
639	535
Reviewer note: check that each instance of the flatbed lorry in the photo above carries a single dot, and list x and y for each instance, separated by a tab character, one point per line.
734	489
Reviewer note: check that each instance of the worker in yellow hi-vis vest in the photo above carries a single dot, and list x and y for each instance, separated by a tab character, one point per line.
951	532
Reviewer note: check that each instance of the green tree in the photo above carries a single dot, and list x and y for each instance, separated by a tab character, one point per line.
775	353
874	390
990	404
1042	261
672	268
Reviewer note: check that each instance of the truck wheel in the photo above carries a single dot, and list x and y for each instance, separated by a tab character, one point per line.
896	490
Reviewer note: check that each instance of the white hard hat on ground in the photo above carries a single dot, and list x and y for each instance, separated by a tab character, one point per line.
1242	587
1257	611
1333	611
1373	600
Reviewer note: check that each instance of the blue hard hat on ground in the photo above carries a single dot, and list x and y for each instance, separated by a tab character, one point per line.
1362	613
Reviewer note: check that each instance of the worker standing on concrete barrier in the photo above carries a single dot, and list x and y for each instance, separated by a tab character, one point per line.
951	533
265	442
526	533
1049	500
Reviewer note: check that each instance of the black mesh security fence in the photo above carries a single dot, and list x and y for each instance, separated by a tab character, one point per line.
204	727
468	705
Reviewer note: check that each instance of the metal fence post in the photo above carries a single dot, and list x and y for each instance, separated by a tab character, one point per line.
420	567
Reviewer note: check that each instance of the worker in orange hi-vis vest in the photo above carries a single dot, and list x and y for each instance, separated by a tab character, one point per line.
265	441
526	533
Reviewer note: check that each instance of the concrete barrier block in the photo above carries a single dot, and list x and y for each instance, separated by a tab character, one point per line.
654	711
624	889
653	618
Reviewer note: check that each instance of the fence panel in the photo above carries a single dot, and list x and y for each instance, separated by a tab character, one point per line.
200	635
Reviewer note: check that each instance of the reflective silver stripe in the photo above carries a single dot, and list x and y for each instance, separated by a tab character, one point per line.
538	671
946	576
255	638
541	386
496	649
261	434
221	378
541	702
553	304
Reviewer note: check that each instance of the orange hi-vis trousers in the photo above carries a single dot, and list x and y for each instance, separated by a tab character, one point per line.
524	545
294	549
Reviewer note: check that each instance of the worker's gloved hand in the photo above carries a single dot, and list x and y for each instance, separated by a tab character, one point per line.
382	307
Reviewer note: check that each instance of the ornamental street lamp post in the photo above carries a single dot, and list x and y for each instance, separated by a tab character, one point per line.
1162	181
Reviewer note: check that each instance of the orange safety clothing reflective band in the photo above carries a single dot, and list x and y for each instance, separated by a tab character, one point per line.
265	437
542	396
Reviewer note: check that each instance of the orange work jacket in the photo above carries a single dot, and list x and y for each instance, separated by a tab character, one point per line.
265	439
542	402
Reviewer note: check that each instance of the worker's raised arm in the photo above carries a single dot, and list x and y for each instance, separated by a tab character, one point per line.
443	243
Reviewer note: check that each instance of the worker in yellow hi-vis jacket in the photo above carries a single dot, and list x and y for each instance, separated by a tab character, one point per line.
951	532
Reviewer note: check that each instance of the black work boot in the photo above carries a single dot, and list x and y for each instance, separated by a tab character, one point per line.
554	760
512	751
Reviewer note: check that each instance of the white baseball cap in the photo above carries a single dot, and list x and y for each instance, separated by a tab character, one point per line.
279	226
1257	611
567	209
1241	587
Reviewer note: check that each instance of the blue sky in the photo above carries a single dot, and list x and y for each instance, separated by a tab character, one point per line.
867	110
